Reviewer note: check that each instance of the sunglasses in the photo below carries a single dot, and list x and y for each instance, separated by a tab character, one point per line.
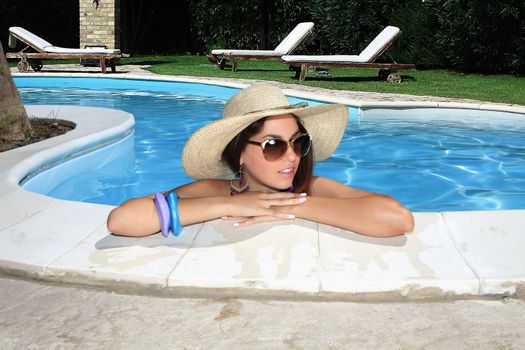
275	149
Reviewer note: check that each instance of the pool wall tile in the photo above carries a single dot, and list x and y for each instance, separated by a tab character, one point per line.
493	244
277	256
145	260
422	262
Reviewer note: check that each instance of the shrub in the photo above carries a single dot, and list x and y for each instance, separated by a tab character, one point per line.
418	43
479	35
348	26
237	23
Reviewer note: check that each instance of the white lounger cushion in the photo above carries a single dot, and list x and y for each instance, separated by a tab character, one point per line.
370	52
36	41
381	40
44	46
95	50
325	58
229	52
295	37
286	46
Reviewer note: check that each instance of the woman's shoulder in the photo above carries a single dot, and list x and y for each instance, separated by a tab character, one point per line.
204	188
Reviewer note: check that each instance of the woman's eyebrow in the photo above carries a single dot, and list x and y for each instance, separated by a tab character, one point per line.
280	137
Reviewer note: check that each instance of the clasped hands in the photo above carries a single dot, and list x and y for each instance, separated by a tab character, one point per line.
254	207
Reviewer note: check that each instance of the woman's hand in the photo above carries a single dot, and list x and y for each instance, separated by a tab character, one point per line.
253	207
241	221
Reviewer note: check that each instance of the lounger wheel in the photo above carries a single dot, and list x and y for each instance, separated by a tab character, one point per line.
394	78
36	65
23	66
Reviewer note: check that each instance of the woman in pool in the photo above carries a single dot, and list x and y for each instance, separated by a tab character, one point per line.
268	146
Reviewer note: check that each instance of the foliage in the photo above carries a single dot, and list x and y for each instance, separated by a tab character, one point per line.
348	26
223	24
417	45
237	23
480	35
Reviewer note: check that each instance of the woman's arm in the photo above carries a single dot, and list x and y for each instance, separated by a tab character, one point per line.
198	201
355	210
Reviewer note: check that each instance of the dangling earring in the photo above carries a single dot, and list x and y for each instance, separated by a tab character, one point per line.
244	188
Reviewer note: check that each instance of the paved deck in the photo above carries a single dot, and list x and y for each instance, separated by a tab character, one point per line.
449	255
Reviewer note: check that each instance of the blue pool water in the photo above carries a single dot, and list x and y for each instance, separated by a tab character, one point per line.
437	163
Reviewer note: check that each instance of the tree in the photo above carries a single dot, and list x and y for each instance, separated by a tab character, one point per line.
266	14
14	123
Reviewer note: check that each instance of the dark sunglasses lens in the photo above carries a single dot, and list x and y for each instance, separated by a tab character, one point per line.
275	150
301	145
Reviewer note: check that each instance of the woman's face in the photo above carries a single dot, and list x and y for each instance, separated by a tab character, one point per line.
261	174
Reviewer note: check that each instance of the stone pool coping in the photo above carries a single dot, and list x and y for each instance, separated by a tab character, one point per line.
449	254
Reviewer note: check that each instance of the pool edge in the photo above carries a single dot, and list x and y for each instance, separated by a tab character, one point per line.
484	283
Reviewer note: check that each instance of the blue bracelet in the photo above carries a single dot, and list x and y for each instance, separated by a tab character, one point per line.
163	211
176	227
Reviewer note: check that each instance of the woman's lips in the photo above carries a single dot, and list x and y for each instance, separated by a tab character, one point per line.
288	172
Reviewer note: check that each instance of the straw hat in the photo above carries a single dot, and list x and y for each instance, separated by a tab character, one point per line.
202	153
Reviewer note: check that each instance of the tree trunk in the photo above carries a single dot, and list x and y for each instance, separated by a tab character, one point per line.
14	124
266	13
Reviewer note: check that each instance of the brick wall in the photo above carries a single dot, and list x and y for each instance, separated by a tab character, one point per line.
100	23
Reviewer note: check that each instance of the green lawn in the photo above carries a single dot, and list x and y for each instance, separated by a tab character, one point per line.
491	88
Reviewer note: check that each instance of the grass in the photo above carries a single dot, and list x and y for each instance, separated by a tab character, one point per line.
443	83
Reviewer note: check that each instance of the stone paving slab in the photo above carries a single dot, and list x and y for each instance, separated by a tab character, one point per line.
104	257
408	264
267	256
493	244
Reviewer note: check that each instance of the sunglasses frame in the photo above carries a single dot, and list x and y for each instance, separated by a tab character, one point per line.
289	144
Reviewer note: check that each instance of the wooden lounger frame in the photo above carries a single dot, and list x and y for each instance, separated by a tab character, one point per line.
34	59
222	59
386	70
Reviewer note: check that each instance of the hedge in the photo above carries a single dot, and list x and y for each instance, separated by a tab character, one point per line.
468	35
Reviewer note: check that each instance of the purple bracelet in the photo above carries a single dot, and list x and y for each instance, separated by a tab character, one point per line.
163	211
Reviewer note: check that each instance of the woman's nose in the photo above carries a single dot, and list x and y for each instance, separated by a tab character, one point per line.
290	154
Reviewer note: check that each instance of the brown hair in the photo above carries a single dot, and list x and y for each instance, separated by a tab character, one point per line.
232	155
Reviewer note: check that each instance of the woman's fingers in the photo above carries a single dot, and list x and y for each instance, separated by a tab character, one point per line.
234	218
254	204
285	201
255	220
281	195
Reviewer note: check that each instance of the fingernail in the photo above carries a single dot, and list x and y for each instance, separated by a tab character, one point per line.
302	194
301	199
236	224
291	216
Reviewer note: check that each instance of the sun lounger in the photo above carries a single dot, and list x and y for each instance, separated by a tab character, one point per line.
366	59
290	43
45	50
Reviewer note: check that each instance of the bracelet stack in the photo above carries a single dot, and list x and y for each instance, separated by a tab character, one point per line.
168	211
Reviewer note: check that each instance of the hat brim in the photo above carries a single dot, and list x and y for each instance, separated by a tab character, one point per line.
201	156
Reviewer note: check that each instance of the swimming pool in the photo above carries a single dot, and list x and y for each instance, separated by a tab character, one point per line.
428	159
